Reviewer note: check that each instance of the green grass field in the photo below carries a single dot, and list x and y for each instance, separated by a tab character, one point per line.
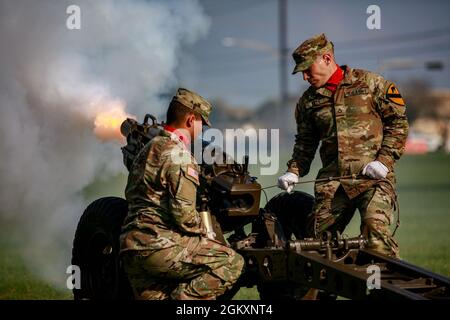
424	235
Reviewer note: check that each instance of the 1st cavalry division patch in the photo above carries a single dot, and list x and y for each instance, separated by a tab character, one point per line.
394	96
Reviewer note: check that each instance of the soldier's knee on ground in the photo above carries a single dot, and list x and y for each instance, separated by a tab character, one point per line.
378	234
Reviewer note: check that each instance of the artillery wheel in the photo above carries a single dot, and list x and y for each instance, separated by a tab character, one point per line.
96	251
292	210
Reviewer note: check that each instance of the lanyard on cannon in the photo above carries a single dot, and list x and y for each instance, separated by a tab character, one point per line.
355	176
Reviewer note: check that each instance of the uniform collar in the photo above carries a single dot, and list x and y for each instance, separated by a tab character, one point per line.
348	75
177	135
335	79
348	79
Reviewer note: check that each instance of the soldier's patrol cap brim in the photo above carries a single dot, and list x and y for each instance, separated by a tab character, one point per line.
206	122
301	67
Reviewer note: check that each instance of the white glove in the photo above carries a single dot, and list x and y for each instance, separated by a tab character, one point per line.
375	170
287	181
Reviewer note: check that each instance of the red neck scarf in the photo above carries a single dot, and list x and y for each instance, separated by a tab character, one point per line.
334	80
186	140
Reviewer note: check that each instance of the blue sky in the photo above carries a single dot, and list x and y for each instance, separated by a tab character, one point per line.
418	31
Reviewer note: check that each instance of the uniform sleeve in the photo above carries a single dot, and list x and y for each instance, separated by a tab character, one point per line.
306	142
392	109
182	182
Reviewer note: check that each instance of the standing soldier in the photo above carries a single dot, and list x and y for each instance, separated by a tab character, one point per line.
165	250
359	118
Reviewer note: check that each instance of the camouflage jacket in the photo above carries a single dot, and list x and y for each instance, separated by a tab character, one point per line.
363	121
161	196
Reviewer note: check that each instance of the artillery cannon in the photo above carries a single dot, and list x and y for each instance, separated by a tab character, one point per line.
279	260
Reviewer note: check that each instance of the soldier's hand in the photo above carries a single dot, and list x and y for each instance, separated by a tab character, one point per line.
375	170
287	181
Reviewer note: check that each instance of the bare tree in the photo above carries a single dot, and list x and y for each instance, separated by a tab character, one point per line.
419	99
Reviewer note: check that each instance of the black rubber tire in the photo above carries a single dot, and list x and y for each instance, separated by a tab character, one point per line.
292	210
96	251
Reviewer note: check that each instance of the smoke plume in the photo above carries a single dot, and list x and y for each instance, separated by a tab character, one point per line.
57	87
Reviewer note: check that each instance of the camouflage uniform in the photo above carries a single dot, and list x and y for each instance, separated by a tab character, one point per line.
362	121
163	244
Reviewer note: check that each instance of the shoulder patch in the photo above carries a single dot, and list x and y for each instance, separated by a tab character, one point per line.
394	96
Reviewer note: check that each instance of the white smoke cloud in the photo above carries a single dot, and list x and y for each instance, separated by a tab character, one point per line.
53	83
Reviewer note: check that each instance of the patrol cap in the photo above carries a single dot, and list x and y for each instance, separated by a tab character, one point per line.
195	102
309	50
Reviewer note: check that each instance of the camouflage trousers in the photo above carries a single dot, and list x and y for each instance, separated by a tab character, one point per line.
196	268
333	212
